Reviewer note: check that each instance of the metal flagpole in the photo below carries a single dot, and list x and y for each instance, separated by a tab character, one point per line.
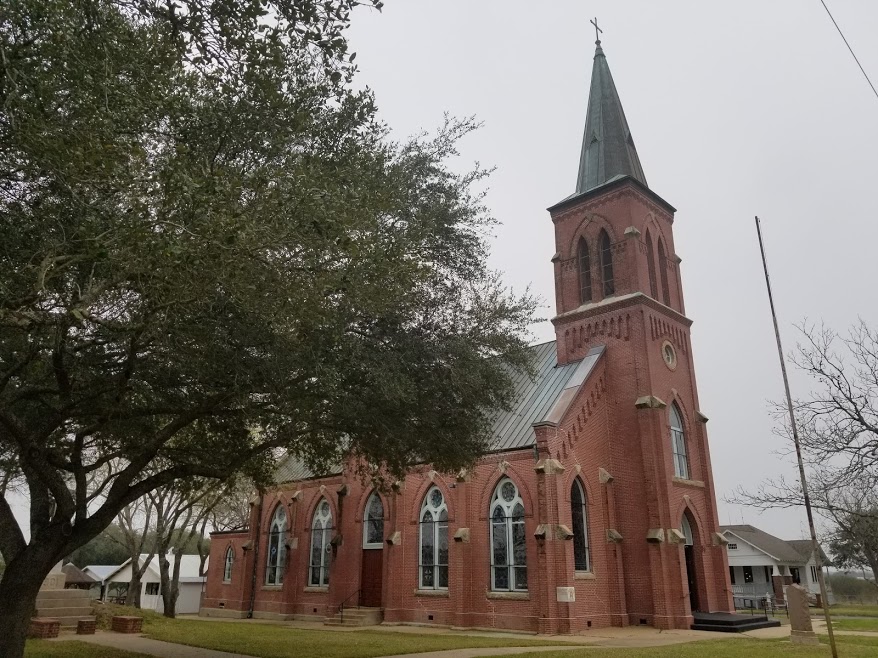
786	383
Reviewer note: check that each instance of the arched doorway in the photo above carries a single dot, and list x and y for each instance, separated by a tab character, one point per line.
691	574
372	570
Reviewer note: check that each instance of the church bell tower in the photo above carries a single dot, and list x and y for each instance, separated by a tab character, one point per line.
618	285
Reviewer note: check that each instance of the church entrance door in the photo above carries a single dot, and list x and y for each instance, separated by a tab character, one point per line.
372	569
691	574
371	577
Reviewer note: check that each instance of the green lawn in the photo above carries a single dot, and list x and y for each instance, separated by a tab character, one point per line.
851	611
272	641
44	649
865	624
852	647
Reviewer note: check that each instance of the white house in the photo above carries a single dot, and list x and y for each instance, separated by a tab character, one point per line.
763	565
191	583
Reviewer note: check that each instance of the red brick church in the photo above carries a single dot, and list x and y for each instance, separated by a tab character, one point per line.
595	506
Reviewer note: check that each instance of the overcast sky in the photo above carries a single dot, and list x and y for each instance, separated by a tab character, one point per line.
737	109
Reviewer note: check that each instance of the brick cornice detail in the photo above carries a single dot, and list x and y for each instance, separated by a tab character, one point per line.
612	304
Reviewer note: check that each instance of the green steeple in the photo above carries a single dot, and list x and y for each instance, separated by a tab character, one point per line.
607	147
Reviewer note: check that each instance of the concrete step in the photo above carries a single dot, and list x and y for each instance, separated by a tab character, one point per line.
356	617
52	594
74	611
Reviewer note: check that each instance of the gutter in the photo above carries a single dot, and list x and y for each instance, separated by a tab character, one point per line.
255	556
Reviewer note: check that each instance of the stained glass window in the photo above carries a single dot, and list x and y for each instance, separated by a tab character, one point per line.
433	555
508	539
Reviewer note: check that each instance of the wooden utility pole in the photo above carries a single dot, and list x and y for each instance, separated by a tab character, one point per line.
786	383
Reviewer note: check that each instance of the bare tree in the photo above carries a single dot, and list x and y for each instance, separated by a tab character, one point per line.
838	430
136	521
182	513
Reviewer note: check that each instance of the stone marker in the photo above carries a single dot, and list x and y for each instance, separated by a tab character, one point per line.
800	616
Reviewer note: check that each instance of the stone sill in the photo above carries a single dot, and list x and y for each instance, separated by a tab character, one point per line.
584	575
508	596
272	588
438	593
311	588
688	483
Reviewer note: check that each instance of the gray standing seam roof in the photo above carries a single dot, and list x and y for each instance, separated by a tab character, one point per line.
542	398
783	551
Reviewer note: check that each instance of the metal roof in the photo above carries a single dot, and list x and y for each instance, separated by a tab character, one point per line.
535	398
543	398
607	146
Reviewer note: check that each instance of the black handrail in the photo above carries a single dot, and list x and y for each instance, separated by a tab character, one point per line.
341	605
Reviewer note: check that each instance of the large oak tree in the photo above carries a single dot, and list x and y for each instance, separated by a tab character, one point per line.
211	251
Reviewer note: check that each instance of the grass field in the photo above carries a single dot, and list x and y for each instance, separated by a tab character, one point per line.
849	647
275	641
864	624
272	641
853	610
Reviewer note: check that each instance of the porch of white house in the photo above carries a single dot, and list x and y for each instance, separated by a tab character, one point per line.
751	584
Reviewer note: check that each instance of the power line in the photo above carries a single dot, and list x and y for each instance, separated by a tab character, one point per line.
849	48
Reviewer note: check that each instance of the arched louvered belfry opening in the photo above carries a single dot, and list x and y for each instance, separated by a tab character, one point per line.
650	264
606	252
583	258
663	273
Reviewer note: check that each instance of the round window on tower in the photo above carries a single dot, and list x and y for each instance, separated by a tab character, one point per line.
669	354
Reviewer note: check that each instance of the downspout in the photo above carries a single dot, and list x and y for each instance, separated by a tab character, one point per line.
255	556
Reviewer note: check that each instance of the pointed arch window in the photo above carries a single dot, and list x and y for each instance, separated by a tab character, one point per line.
579	512
606	263
650	264
663	273
433	553
321	549
508	547
678	443
277	549
373	522
227	566
584	259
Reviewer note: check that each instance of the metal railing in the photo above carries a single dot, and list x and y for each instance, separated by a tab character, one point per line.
341	606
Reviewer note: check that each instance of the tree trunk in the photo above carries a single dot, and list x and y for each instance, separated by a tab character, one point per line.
132	596
19	587
171	584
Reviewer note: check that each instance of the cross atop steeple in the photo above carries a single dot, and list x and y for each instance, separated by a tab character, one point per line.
597	31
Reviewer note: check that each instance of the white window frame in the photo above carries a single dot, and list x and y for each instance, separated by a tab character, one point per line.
367	518
577	484
277	531
321	535
227	565
814	574
678	443
512	522
436	528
